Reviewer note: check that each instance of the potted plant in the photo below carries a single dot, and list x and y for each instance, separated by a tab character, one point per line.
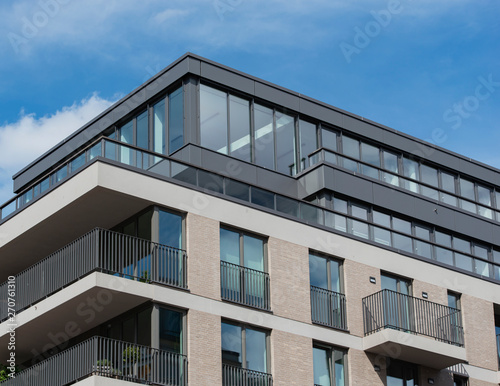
132	355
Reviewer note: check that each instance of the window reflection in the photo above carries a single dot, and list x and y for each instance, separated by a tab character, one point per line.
264	138
213	119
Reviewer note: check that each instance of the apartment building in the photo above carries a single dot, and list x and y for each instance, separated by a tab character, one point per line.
212	228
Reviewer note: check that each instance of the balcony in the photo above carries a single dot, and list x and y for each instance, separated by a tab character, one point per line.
328	308
98	250
244	286
107	358
237	376
399	326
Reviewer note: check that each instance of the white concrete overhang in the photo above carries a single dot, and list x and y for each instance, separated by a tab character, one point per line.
413	348
97	380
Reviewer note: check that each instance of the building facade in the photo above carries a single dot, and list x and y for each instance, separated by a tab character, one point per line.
211	228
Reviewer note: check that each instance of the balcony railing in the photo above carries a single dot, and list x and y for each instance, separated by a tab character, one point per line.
244	285
328	308
99	250
108	358
237	376
389	309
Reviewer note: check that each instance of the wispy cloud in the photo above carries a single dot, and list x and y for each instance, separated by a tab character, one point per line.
28	138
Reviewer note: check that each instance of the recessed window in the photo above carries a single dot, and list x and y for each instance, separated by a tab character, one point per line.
329	366
213	119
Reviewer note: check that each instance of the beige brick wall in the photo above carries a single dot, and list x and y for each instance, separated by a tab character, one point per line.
357	286
203	248
289	273
441	378
361	372
436	294
476	382
479	328
291	359
204	349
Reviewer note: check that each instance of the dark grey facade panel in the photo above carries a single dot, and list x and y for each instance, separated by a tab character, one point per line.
313	181
190	154
228	78
276	182
475	227
365	129
277	96
476	171
393	200
352	186
321	112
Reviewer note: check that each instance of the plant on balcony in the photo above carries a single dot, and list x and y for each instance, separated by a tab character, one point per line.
104	367
131	355
4	372
144	277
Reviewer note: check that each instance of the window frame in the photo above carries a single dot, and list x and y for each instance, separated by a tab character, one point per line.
241	234
329	259
331	351
244	327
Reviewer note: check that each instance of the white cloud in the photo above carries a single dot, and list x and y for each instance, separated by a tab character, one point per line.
23	141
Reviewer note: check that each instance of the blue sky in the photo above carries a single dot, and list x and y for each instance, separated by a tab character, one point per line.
427	68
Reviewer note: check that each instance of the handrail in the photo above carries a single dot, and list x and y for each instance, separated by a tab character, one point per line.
107	358
245	285
238	376
390	309
328	308
98	250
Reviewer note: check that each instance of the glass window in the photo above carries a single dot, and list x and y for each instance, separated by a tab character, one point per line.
443	238
423	233
77	163
144	327
370	154
264	136
390	161
358	228
242	249
61	174
381	219
262	197
239	128
461	244
287	205
176	120
463	262
170	330
127	136
423	249
285	144
497	199
350	147
448	199
381	236
336	221
142	131
340	205
369	171
244	347
401	225
237	189
444	256
183	173
467	189
329	139
170	229
429	175
429	192
402	374
213	119
401	242
410	168
359	212
308	142
448	182
311	213
468	206
481	251
328	364
210	181
484	195
159	127
325	273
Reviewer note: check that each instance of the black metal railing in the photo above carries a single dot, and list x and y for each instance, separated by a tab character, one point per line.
108	358
98	250
244	285
237	376
328	308
390	309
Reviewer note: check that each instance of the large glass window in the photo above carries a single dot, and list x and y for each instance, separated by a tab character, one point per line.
170	330
325	273
142	131
176	120
329	366
308	142
401	374
159	127
264	136
242	249
213	119
244	347
239	128
285	144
